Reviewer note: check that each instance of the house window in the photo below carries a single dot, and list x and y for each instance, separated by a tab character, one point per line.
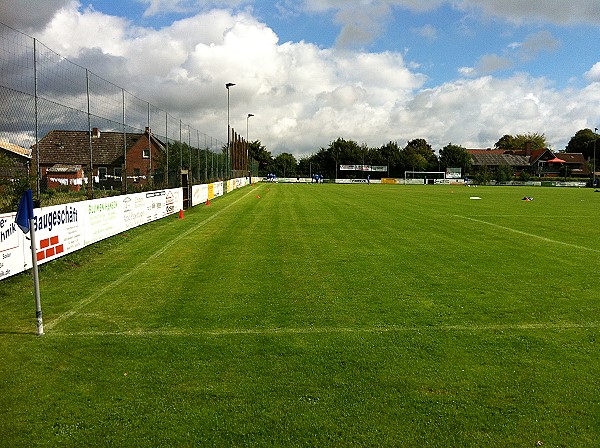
117	173
146	153
136	174
102	172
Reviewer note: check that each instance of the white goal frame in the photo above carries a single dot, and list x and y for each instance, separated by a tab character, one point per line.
423	176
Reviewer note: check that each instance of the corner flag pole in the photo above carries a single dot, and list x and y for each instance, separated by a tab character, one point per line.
25	222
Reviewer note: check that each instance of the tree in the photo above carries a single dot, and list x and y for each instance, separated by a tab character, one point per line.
390	155
519	142
504	173
483	175
285	165
583	142
455	156
258	153
418	155
305	166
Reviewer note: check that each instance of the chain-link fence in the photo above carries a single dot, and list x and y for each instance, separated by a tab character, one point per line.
88	136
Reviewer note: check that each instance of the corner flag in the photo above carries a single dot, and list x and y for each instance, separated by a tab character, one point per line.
25	211
24	220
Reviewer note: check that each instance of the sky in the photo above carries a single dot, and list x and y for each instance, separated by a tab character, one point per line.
465	72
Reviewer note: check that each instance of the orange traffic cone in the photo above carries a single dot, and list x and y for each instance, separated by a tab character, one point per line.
180	214
208	202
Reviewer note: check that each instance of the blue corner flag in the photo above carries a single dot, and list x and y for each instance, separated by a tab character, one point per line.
25	211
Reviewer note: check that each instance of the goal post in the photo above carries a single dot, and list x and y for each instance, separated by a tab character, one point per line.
423	177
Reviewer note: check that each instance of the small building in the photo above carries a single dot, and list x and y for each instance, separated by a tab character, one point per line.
60	149
69	176
17	160
539	162
495	158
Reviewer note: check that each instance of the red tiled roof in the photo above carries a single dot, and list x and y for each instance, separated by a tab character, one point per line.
73	147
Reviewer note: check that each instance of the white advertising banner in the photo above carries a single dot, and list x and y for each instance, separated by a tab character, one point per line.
12	250
103	219
163	203
377	168
199	194
65	228
134	210
59	230
218	189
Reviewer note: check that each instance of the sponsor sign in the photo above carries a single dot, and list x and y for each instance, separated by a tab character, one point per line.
103	219
372	168
11	246
134	210
59	230
199	194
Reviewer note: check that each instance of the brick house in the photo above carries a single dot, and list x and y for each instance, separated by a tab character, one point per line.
65	154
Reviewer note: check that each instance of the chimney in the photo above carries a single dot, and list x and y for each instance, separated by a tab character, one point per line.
528	149
96	133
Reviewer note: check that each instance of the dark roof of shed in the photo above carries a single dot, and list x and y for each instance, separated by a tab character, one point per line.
492	158
15	149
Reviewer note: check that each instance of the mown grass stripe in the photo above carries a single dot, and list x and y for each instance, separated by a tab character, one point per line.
118	281
333	330
531	235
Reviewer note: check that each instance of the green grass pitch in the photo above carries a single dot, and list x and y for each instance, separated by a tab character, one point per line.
318	315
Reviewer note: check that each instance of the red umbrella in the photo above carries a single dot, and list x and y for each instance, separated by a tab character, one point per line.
556	160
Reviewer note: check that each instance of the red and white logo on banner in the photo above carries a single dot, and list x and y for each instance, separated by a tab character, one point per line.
49	247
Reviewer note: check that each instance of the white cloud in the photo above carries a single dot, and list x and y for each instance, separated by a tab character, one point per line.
303	96
23	15
593	74
552	11
362	24
157	7
536	43
428	31
490	63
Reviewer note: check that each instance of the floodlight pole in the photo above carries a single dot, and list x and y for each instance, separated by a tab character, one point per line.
595	140
248	140
227	86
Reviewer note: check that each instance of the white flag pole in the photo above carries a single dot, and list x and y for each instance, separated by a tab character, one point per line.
36	281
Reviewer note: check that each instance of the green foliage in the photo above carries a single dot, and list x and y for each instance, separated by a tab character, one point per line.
284	165
455	156
258	152
519	142
583	142
202	164
504	173
525	176
483	175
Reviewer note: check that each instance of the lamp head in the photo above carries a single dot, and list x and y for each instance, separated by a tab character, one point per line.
228	85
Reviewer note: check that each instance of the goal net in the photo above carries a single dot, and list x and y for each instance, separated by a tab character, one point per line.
423	177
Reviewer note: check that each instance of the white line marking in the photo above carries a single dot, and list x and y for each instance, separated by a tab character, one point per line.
141	332
66	315
532	235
